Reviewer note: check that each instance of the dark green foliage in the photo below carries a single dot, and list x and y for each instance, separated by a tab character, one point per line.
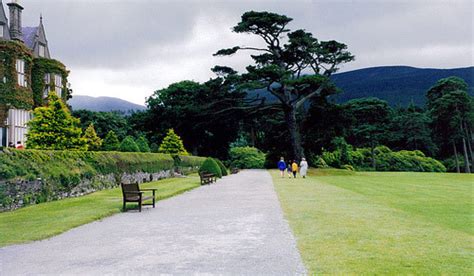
247	158
42	66
111	142
386	160
279	64
104	122
222	167
142	144
128	145
210	166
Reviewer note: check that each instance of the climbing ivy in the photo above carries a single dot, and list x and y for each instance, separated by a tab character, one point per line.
11	94
42	66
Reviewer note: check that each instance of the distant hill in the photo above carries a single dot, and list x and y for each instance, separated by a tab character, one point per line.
398	85
103	104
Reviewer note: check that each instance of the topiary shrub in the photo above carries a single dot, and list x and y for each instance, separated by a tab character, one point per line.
319	162
142	144
129	145
111	142
210	165
222	167
247	158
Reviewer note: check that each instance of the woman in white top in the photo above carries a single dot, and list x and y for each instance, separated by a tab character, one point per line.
303	167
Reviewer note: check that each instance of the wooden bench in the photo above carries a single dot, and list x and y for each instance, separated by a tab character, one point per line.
207	178
133	193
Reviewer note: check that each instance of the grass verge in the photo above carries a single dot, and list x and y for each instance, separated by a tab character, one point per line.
381	223
48	219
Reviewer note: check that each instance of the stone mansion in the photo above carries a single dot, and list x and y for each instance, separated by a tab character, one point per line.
27	73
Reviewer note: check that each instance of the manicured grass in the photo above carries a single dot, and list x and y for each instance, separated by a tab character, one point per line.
381	223
52	218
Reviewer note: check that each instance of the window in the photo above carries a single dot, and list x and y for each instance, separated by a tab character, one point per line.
41	50
47	82
58	84
1	30
20	69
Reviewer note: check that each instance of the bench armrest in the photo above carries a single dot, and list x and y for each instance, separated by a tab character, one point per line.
149	189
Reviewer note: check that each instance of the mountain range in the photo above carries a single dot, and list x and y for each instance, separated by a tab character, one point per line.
103	104
398	85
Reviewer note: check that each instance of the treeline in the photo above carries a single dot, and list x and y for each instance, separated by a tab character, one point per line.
212	117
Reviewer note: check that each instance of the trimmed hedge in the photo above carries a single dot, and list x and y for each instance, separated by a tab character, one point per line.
222	167
210	165
62	171
247	158
47	164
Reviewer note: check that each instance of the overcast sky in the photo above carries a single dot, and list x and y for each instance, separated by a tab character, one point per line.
130	48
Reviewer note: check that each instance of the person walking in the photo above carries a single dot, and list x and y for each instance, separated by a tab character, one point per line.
294	168
282	167
303	167
288	169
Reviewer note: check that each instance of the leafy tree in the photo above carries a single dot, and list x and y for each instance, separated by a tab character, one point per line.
53	127
450	113
280	65
410	130
93	141
104	122
201	113
129	145
111	142
452	109
210	166
369	119
142	144
172	144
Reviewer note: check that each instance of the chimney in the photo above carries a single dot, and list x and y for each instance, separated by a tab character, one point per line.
15	20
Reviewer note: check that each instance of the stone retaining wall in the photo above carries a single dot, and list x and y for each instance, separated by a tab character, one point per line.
19	193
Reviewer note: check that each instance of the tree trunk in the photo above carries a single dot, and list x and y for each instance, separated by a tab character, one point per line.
456	158
469	145
290	118
467	167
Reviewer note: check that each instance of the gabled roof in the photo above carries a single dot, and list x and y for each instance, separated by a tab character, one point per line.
4	22
29	34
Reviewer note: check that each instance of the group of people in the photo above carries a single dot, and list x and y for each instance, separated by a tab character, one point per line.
18	145
292	167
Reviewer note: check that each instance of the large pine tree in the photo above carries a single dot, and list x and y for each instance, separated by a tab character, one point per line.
53	127
93	141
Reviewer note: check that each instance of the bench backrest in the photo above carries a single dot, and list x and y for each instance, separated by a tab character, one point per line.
133	187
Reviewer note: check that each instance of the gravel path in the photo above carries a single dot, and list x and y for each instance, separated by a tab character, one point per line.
233	227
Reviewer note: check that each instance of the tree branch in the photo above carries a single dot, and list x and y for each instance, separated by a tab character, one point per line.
300	102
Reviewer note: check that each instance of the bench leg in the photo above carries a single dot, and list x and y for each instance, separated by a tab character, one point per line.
124	207
140	204
153	199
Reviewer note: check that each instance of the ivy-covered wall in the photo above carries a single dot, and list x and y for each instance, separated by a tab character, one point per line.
14	96
11	94
42	66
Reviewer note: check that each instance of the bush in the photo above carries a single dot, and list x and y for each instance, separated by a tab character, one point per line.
319	162
172	144
111	142
247	158
348	167
129	145
386	160
450	164
210	165
222	167
142	144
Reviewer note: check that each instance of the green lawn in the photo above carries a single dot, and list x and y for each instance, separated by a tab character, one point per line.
381	222
48	219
